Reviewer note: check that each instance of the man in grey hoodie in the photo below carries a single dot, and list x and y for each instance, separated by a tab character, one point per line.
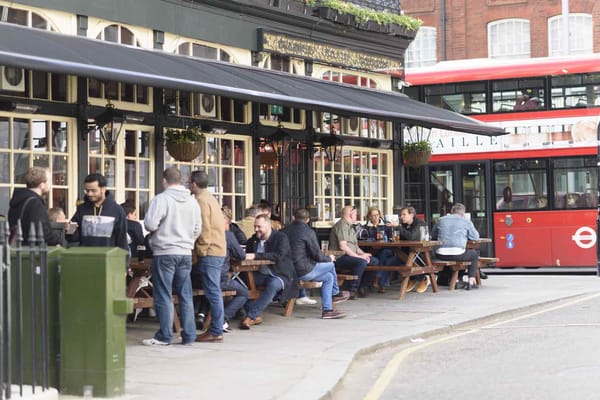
173	219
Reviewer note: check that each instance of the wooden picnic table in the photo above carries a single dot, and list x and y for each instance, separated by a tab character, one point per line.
417	249
249	266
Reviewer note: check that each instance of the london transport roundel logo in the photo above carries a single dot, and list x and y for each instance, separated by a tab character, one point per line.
584	237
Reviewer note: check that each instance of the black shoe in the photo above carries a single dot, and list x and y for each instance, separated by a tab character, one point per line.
483	275
363	292
353	295
471	286
461	285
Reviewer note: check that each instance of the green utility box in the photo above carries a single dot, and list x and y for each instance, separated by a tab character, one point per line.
93	310
22	340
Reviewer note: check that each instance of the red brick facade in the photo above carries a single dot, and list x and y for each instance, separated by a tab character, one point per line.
466	22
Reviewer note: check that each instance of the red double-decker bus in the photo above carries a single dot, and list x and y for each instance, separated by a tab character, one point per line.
535	190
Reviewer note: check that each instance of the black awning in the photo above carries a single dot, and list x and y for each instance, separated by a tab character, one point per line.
49	51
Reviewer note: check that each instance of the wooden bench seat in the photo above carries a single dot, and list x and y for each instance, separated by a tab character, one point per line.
195	292
406	272
289	307
458	266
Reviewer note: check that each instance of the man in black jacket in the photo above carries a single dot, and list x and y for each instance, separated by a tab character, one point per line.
312	265
410	229
100	219
29	205
269	244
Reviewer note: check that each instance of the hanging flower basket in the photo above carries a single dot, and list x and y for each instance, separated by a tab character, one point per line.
417	157
184	144
185	151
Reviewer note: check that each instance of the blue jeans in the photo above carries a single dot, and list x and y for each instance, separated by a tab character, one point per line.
238	300
357	265
324	272
272	285
173	272
386	257
209	268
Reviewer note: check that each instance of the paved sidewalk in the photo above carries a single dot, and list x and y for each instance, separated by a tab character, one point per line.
303	357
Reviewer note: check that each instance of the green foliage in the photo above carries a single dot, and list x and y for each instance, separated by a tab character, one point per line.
362	14
421	145
186	135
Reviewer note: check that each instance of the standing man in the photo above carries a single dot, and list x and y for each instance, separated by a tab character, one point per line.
173	219
28	205
100	220
312	265
210	250
269	244
343	237
454	230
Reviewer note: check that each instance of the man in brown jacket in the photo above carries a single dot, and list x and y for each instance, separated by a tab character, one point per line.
210	250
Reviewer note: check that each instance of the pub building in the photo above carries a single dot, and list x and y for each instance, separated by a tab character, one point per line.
294	102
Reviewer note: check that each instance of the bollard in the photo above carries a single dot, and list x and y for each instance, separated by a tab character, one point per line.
93	310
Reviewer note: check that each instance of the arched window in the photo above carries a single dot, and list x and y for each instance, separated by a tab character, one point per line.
423	50
581	35
509	38
27	18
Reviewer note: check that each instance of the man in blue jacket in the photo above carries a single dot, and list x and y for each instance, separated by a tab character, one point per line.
454	230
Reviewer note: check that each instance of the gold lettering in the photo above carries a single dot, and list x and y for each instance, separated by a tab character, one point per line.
296	47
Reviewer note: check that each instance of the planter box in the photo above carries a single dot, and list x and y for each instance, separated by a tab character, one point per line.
327	13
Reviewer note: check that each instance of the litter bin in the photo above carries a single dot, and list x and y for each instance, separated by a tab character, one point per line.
93	307
23	339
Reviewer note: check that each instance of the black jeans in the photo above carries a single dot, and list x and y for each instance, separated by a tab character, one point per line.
468	255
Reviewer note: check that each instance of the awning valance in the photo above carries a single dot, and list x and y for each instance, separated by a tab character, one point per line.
49	51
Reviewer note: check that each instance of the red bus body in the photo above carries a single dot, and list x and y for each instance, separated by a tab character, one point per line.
525	238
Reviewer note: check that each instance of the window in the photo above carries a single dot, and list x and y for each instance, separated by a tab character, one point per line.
580	90
581	34
269	112
358	177
204	51
465	98
518	95
575	183
118	91
224	160
422	51
521	184
509	38
25	143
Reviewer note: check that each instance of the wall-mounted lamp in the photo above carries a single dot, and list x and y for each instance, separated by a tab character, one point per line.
18	107
332	145
279	141
109	123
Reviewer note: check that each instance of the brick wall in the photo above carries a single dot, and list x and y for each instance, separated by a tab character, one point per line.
466	22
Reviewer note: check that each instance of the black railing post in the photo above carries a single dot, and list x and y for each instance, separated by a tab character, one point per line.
4	312
45	352
32	272
19	310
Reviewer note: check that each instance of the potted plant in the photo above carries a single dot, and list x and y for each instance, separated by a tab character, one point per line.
417	149
184	144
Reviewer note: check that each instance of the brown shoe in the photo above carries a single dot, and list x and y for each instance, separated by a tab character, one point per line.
208	337
411	285
332	314
246	323
340	297
423	285
258	320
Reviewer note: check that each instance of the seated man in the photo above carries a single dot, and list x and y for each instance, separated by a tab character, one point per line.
268	244
312	265
410	229
343	237
454	230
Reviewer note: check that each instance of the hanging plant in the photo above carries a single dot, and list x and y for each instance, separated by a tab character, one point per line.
184	144
417	150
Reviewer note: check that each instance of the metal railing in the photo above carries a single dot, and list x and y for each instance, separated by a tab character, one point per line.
19	365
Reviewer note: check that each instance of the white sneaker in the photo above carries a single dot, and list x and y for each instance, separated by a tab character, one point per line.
154	342
305	301
226	327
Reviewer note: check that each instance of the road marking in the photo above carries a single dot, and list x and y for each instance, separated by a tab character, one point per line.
394	364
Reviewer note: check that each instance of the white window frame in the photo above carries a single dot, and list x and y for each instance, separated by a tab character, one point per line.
581	35
422	52
509	38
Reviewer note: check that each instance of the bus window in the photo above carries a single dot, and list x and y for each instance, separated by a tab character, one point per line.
518	94
464	98
575	183
521	184
572	91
